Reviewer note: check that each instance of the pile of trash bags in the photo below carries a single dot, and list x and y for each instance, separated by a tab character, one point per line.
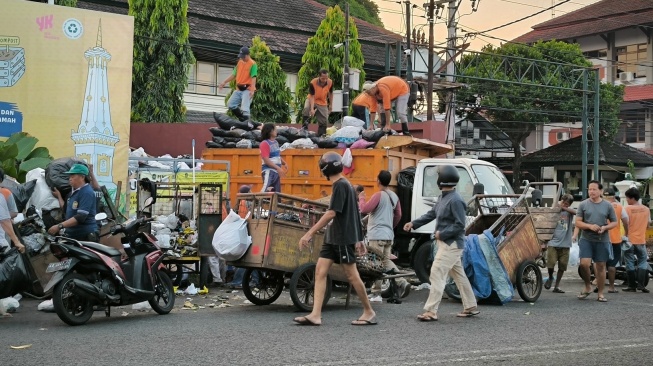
232	133
176	235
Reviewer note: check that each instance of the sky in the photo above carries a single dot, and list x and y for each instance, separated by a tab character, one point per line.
490	13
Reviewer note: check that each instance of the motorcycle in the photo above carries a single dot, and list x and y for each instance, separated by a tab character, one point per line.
92	275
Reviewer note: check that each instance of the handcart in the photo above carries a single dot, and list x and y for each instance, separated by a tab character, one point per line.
509	220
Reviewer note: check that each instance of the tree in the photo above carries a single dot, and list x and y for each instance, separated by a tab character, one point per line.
366	10
273	97
162	57
517	109
321	54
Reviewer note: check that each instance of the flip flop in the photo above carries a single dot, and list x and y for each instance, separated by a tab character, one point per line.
557	290
304	321
468	314
548	283
427	318
602	299
365	322
583	295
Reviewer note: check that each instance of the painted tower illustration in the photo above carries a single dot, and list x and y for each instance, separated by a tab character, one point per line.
95	140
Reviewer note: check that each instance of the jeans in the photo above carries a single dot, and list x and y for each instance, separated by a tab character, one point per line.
629	257
384	246
448	260
240	99
239	275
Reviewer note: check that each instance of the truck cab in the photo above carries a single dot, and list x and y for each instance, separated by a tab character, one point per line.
426	192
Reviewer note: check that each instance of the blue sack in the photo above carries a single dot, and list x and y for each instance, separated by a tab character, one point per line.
476	267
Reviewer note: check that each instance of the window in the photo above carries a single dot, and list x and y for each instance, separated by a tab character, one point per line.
494	182
223	73
633	127
206	78
430	187
596	54
191	79
630	57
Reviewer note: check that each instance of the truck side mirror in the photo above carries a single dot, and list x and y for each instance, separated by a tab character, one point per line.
536	196
479	188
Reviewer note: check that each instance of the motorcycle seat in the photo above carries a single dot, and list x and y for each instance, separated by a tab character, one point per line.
101	248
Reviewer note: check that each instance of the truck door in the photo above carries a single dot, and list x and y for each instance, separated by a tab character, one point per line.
426	191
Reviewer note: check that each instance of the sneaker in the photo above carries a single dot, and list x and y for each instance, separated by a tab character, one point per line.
376	298
404	289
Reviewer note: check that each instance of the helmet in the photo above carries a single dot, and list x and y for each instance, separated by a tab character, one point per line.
448	176
330	164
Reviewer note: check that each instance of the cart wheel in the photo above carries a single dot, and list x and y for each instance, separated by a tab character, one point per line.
451	290
302	285
529	281
268	289
386	291
423	261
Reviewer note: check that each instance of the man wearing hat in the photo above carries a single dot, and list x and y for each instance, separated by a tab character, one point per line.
245	74
80	208
364	106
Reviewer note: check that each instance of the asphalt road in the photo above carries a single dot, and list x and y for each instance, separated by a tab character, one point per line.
556	330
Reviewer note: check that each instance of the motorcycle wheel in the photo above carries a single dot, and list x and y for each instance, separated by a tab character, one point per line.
423	262
164	294
71	308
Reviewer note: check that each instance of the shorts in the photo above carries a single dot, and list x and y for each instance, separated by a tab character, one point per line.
271	180
340	254
599	251
557	255
616	252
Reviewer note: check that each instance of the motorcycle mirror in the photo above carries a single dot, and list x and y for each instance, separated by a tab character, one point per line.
101	216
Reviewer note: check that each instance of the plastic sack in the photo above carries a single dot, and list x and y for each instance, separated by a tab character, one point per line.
574	255
8	305
21	192
324	143
373	136
55	177
142	306
348	134
47	306
42	198
244	144
352	121
225	122
347	159
231	240
305	143
216	131
14	276
163	240
361	144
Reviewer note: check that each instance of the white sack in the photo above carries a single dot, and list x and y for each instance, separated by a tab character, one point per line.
230	240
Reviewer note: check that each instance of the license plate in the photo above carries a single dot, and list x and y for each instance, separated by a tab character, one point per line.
58	266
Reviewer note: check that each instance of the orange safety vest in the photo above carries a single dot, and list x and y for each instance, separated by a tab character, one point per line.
615	233
321	92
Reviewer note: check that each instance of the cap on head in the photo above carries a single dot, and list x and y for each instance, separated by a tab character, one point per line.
330	164
368	85
78	169
244	51
609	192
245	189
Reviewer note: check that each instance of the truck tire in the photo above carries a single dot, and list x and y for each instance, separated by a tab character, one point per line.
423	261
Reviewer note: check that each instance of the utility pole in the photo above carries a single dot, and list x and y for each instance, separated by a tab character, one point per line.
409	60
451	70
345	74
429	88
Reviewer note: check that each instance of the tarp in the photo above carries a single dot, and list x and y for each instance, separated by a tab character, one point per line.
476	267
498	275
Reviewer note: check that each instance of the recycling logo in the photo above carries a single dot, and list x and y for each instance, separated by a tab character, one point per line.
73	28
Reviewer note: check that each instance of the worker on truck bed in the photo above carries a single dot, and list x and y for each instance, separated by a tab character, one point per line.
245	74
274	167
364	106
390	89
319	89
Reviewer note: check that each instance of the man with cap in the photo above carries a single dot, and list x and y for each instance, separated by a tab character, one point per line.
245	74
391	89
319	90
81	208
364	106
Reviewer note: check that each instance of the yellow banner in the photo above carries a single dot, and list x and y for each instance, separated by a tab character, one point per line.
65	78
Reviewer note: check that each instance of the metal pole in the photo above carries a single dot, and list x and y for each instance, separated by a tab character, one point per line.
596	137
451	70
345	87
398	60
429	88
584	141
387	59
409	59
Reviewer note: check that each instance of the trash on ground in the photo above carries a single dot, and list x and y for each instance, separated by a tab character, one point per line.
142	306
124	313
189	305
46	306
25	346
247	302
424	286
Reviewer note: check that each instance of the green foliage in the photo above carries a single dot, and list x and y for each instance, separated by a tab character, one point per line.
272	98
18	155
366	10
519	109
70	3
162	58
320	54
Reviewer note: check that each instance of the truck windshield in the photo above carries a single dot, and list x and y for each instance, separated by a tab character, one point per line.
430	187
493	180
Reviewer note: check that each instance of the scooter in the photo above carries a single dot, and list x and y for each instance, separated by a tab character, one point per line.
91	274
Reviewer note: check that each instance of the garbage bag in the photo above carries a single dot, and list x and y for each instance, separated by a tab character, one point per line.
8	305
231	240
231	139
227	123
230	145
373	136
305	143
406	177
292	134
352	121
47	306
22	193
55	177
347	135
257	135
282	140
218	140
236	132
255	144
14	274
213	145
41	198
574	255
248	135
215	131
244	144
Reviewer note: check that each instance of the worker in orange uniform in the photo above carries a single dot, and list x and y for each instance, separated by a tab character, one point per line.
391	89
319	90
245	74
364	106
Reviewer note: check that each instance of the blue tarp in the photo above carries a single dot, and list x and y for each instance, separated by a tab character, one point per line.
499	276
476	267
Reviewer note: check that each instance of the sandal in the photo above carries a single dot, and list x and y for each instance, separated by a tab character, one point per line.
468	313
557	290
583	295
602	299
427	318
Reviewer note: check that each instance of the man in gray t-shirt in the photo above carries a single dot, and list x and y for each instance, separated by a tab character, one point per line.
558	247
7	227
595	217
